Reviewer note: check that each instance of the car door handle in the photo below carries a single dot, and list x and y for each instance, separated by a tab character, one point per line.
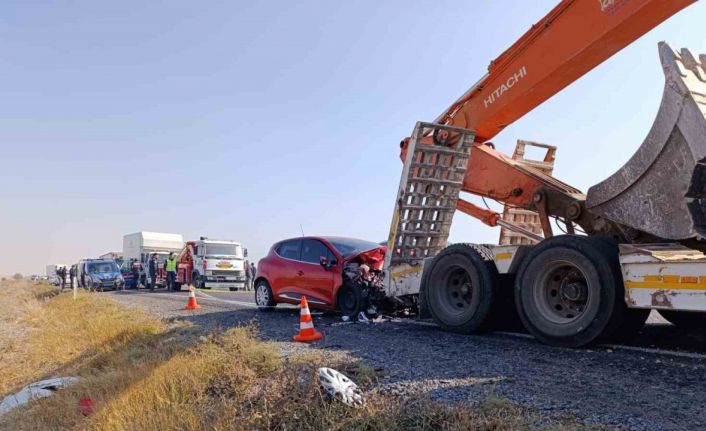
300	272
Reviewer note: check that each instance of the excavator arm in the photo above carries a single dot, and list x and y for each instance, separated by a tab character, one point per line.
575	37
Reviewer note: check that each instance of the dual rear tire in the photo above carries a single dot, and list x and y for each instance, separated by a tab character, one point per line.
568	291
460	289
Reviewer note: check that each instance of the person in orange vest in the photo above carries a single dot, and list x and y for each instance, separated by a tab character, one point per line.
170	265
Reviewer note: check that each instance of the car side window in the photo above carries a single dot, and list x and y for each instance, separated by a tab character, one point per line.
289	249
313	251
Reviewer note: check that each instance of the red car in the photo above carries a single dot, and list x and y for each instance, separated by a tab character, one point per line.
333	273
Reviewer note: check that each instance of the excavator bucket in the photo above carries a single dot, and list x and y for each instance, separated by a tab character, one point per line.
661	190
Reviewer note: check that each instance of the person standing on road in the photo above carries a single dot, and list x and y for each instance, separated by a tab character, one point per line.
246	270
72	276
152	269
170	265
253	271
61	272
136	273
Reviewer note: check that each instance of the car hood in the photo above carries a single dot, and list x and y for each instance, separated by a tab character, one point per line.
373	258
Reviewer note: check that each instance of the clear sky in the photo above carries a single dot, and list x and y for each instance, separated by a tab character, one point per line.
243	120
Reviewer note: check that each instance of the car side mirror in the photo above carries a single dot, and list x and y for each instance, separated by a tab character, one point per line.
245	252
324	262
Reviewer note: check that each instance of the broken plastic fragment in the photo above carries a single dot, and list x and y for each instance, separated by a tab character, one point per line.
338	386
40	389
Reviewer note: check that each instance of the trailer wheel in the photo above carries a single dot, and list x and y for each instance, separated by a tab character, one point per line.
568	291
685	319
460	289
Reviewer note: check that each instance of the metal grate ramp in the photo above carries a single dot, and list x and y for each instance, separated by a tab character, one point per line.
429	189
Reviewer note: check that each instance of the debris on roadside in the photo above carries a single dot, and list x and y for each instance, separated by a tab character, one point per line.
41	389
339	387
85	406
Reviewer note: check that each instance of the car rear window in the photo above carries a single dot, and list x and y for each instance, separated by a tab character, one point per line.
289	249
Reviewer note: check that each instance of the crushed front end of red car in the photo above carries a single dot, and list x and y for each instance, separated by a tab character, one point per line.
364	273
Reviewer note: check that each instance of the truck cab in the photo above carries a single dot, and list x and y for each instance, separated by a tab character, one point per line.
208	263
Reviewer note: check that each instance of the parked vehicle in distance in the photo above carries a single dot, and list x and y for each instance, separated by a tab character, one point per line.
140	246
52	278
208	263
333	273
100	274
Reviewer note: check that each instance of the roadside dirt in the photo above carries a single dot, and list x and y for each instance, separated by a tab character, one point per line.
612	387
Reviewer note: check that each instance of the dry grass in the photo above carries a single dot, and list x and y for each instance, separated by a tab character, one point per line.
145	375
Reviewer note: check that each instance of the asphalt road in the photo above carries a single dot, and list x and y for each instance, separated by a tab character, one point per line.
654	382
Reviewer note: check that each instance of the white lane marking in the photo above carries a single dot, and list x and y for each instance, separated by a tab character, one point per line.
674	353
227	301
203	296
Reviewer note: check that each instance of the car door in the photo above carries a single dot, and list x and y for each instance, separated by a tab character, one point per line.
315	281
284	269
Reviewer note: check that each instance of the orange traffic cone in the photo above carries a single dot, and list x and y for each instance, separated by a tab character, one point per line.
191	304
307	333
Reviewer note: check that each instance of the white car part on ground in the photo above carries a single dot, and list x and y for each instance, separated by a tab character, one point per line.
40	389
336	385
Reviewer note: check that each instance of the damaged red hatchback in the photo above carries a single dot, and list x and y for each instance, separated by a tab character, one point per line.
333	273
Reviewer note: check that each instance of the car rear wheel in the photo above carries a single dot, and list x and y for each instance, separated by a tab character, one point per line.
264	299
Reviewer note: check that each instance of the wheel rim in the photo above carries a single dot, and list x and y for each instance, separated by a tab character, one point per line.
263	296
457	293
563	293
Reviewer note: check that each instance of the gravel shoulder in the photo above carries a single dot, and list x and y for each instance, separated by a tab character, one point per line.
617	388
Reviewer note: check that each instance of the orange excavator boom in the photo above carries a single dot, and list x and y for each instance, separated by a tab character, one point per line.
575	37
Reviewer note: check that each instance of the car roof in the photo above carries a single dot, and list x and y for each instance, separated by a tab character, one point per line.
324	237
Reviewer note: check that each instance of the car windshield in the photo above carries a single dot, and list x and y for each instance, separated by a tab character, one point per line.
350	247
223	250
101	267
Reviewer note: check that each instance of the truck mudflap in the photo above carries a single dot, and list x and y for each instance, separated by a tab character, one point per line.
661	190
664	276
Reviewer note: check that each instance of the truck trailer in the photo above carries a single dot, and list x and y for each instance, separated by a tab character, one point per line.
634	242
140	246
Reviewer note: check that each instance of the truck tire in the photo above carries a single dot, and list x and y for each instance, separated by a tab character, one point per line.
264	299
685	319
198	281
569	291
460	289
